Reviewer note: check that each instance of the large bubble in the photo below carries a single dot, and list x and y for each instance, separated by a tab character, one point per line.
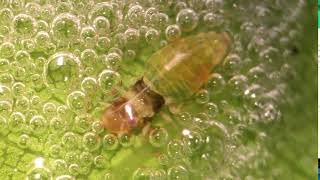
62	70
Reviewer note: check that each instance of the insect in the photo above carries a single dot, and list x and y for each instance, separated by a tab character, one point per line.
173	73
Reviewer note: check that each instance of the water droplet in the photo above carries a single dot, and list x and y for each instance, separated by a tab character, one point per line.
187	19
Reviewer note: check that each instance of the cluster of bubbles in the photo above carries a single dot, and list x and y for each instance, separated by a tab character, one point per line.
63	61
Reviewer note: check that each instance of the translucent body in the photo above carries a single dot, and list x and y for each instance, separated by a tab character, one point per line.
179	69
174	73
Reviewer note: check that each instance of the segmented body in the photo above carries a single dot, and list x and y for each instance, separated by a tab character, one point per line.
173	73
180	69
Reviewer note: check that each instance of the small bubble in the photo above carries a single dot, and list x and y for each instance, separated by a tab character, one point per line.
216	83
152	36
91	141
4	65
7	49
101	24
16	122
88	57
202	96
212	109
110	142
39	173
49	109
24	25
70	140
187	20
173	32
142	173
178	172
212	20
65	28
125	139
23	141
100	161
108	79
158	137
38	124
74	169
77	101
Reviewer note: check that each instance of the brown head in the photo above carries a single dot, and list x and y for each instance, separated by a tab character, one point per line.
120	117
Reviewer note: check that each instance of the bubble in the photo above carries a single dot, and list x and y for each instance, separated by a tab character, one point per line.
103	43
6	15
110	142
7	50
77	101
101	25
47	12
5	108
158	137
55	151
216	83
23	141
184	117
108	176
62	70
108	79
202	96
152	36
5	93
192	139
132	36
86	158
238	84
88	57
112	61
72	157
97	127
87	32
100	161
59	166
33	9
232	64
119	40
178	172
82	124
175	149
18	89
104	9
130	54
42	39
91	141
16	122
38	124
212	109
187	20
39	173
125	139
22	103
142	173
57	125
74	169
24	25
49	109
212	20
135	15
4	65
65	28
70	140
173	32
162	20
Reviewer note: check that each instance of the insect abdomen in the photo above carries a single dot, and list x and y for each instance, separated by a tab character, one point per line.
179	70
